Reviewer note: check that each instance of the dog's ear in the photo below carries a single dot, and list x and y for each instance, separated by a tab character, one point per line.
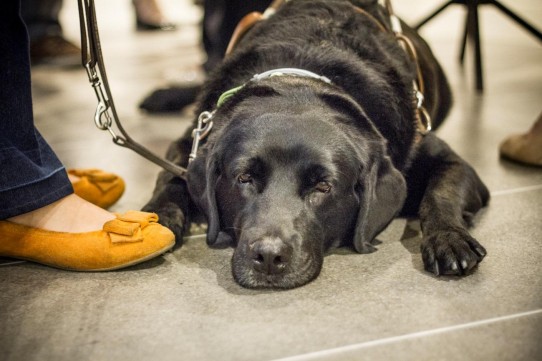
202	178
382	194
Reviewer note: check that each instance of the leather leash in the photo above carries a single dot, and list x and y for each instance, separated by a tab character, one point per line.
106	113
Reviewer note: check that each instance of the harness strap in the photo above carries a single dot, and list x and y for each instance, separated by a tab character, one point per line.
248	22
422	115
378	23
251	19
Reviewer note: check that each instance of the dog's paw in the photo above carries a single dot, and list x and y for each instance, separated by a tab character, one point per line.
171	217
451	253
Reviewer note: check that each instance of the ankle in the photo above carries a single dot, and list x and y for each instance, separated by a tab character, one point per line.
70	214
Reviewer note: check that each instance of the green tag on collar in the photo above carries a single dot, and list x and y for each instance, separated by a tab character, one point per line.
227	95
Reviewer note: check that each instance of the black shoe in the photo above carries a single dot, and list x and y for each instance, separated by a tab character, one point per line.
143	26
171	99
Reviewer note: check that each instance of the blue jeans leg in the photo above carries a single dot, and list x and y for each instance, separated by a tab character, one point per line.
31	175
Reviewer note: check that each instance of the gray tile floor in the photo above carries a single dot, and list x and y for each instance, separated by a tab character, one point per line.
382	306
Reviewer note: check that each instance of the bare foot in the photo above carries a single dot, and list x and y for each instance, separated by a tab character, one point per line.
70	214
149	11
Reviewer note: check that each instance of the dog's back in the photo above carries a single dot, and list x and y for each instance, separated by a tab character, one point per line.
335	39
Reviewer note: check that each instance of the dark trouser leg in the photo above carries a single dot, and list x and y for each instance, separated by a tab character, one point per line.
31	176
41	17
219	22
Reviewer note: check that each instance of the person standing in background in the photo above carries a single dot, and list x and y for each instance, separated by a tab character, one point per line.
48	46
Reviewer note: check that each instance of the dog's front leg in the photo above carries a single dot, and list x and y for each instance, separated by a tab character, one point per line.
171	202
451	194
170	199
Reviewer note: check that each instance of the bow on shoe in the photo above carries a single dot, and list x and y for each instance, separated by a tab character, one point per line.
102	180
128	227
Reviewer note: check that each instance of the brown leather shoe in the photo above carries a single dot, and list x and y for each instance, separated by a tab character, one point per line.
522	148
54	50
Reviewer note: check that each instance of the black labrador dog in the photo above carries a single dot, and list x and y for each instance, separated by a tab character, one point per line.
325	154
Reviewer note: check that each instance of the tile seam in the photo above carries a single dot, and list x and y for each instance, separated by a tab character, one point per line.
516	190
388	340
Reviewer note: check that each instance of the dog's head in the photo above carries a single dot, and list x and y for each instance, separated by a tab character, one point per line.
293	168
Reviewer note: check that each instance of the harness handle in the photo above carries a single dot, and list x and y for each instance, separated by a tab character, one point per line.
106	113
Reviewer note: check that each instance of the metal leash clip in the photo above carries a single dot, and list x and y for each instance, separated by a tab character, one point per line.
205	124
102	117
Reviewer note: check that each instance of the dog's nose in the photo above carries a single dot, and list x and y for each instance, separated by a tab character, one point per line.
270	255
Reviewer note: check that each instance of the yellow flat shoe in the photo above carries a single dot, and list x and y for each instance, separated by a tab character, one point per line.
131	238
98	187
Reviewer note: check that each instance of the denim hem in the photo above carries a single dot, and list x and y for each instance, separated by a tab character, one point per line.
34	196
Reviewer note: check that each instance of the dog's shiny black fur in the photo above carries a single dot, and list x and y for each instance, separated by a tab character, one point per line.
295	166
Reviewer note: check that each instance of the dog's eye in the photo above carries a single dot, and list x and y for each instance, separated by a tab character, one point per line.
244	178
323	187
